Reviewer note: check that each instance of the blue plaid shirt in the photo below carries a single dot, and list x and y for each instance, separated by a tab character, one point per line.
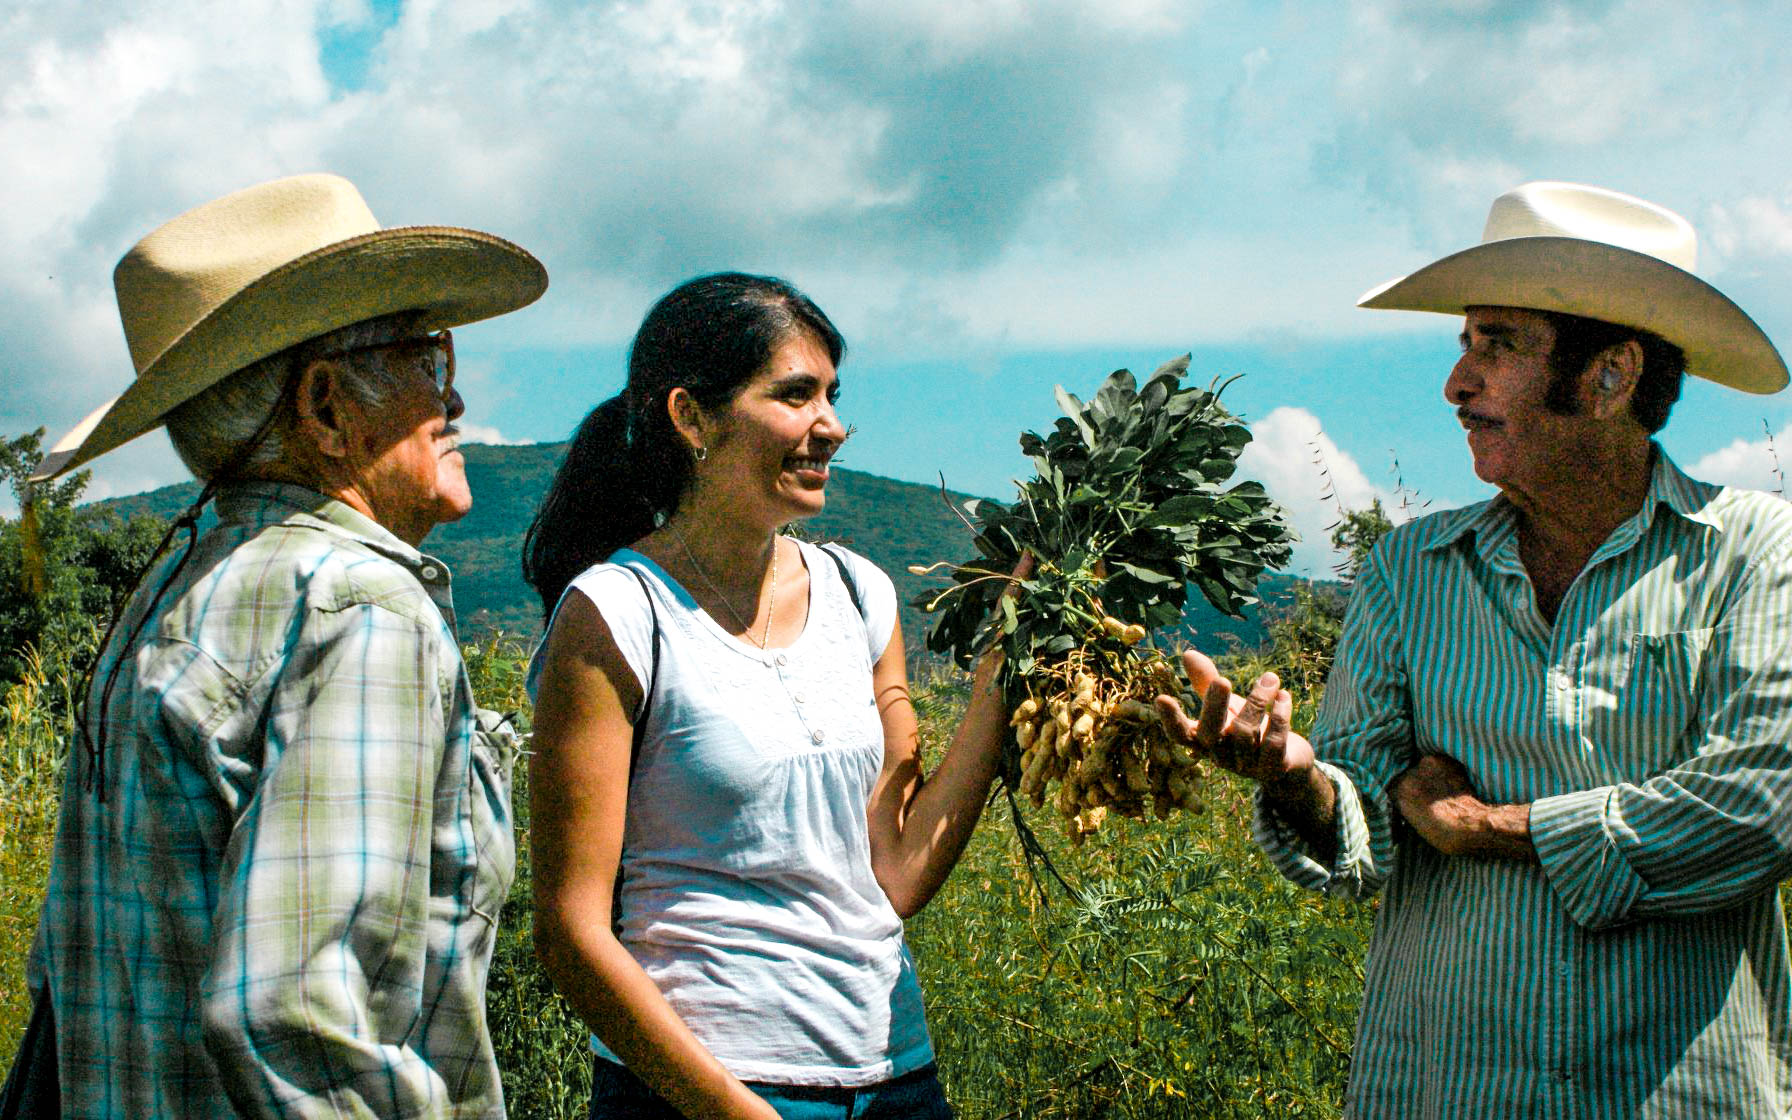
286	903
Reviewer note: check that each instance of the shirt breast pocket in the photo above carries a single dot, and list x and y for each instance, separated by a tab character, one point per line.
491	838
1657	702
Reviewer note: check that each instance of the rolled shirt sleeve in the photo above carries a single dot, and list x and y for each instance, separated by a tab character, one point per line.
1363	738
318	967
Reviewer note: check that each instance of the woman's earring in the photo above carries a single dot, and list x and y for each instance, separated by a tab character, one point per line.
701	453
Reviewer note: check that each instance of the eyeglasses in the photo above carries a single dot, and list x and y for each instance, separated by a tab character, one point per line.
441	355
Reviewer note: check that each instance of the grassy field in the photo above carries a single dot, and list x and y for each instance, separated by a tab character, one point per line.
34	730
1183	978
1185	981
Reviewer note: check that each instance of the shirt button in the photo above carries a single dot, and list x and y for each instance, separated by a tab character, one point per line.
783	660
816	736
797	697
1563	682
430	571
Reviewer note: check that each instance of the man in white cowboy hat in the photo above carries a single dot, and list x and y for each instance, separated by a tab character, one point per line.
1558	737
285	831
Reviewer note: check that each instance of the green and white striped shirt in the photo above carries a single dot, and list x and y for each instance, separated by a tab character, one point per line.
1640	968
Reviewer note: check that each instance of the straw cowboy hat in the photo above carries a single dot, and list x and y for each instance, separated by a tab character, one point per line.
1602	255
235	280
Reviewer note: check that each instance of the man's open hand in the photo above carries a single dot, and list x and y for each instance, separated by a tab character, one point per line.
1248	735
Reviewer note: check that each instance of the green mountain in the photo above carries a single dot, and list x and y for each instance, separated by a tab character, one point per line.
893	523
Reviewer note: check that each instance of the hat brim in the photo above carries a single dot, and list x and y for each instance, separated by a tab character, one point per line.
1598	281
451	276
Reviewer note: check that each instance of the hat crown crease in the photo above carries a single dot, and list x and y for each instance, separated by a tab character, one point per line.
1593	214
192	264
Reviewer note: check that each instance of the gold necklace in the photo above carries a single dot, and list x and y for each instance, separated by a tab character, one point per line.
746	625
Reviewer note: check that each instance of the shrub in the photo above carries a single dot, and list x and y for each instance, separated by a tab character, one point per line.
87	558
542	1050
35	729
1182	978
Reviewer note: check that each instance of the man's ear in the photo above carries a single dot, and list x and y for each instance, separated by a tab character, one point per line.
318	409
1614	372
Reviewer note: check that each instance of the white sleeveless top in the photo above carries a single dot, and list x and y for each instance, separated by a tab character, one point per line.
747	892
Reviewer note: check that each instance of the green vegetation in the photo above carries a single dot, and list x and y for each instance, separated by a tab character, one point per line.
1183	978
85	557
893	523
1133	503
60	574
541	1046
36	726
1355	534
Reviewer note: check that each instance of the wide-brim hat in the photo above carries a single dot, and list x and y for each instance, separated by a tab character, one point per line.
250	274
1601	255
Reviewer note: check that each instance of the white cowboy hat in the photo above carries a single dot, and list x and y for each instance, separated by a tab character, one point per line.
233	281
1602	255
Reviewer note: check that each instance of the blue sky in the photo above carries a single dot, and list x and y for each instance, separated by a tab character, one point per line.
990	198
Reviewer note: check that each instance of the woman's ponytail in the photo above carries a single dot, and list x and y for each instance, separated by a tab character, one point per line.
592	508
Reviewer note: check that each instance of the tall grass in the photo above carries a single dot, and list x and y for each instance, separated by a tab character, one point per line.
542	1050
36	725
1179	976
1182	978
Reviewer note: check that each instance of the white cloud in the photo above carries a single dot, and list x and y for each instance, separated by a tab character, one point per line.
1752	227
949	32
1525	73
1755	464
484	433
346	13
1590	90
1314	480
1478	177
951	179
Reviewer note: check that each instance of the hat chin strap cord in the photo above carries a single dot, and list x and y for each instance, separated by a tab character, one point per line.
94	744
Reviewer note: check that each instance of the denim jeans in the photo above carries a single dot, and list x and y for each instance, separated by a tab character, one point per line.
617	1094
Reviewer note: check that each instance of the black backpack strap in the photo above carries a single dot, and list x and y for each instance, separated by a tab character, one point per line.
852	585
653	675
634	752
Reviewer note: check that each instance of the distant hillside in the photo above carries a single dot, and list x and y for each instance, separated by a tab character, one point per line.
894	523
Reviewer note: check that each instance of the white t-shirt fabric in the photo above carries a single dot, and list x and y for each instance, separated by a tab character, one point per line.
747	892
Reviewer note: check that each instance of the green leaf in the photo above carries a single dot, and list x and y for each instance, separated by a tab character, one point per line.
1146	575
1174	369
1073	409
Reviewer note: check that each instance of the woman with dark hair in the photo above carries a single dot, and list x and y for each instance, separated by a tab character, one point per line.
729	820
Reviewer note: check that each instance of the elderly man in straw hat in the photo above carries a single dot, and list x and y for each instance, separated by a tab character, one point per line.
285	830
1558	738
